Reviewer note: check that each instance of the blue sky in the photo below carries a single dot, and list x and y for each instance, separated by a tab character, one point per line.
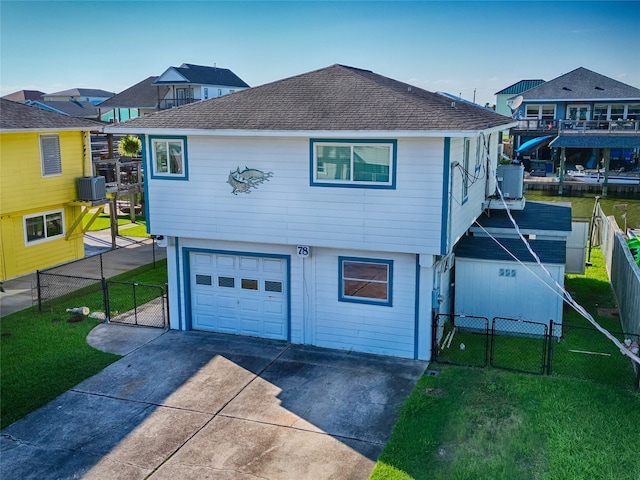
451	46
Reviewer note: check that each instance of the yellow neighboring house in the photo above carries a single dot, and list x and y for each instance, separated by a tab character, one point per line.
42	154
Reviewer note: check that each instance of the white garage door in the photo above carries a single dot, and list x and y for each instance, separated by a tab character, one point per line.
244	295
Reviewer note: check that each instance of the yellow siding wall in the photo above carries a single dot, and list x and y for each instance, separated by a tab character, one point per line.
24	191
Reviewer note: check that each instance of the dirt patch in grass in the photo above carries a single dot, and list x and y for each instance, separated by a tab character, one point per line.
56	320
608	312
75	318
435	392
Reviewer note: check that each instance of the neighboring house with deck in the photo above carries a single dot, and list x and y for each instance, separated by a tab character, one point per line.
321	209
42	154
138	100
580	118
190	83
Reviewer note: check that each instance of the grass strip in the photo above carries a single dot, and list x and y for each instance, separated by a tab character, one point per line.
44	354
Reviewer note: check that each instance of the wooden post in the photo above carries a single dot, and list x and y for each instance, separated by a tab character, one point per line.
110	144
607	157
562	167
113	210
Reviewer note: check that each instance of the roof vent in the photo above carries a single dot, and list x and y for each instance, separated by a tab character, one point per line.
409	89
453	104
599	88
566	88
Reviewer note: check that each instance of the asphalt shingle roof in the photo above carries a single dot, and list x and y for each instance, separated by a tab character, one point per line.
17	116
81	92
519	87
534	216
143	94
204	75
333	98
22	95
485	248
582	84
75	109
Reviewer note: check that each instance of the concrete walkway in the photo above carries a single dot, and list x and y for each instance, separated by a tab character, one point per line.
185	405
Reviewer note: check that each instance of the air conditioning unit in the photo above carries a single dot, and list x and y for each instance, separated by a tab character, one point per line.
511	180
91	189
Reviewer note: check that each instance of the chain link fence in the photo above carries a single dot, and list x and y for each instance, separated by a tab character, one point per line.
83	283
530	347
149	302
461	340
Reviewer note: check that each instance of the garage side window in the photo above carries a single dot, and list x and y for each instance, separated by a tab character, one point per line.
365	280
169	158
42	227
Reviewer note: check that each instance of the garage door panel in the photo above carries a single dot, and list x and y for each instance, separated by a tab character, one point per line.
249	263
204	300
273	265
225	261
249	306
205	321
239	294
273	307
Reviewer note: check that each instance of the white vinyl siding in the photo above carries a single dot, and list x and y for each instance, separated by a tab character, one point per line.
287	210
50	155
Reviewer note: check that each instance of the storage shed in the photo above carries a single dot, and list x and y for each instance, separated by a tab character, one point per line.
499	277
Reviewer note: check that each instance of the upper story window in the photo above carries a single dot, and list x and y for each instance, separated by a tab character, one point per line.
546	112
353	163
616	111
43	226
50	158
365	280
169	157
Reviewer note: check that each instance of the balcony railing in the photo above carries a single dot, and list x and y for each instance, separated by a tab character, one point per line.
166	103
629	126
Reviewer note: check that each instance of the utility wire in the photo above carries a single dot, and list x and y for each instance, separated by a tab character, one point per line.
566	295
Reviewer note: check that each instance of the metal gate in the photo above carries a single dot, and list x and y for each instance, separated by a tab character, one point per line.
509	344
136	304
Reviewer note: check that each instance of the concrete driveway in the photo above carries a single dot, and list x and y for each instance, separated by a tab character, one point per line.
190	405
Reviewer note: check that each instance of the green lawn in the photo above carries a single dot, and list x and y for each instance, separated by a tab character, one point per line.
581	422
103	221
44	354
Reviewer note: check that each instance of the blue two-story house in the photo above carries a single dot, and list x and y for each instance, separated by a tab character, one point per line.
582	119
320	209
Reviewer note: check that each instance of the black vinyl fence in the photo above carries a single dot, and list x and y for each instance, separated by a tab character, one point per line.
531	347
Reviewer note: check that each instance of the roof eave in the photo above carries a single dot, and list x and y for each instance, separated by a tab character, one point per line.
306	133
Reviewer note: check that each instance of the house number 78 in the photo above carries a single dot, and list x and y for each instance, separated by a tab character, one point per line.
303	251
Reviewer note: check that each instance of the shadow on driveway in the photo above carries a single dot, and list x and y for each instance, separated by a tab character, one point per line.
202	405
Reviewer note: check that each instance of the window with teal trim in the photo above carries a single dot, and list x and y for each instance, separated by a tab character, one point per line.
353	163
169	157
365	280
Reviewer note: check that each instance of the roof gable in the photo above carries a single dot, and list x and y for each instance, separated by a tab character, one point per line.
333	98
18	116
582	84
201	75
